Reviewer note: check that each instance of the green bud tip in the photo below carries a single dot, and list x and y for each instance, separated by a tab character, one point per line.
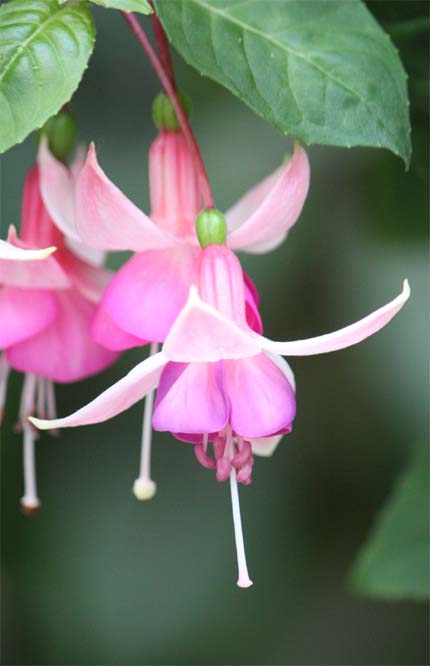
164	114
60	131
211	228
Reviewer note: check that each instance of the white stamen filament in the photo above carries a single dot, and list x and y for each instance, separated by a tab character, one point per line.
4	374
243	579
30	500
144	487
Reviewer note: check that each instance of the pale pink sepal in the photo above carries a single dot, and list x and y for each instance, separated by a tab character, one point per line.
119	397
261	219
41	273
63	351
107	219
57	187
107	333
201	333
24	312
345	337
9	252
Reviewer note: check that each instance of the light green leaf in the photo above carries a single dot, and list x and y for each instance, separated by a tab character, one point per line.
394	563
141	6
44	51
321	71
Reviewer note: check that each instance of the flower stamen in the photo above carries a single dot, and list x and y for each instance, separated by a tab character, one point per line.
4	375
29	501
144	487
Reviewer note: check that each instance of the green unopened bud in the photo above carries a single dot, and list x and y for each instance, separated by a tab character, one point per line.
164	114
60	131
211	228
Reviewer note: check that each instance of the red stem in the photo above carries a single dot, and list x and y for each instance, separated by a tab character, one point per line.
182	118
163	47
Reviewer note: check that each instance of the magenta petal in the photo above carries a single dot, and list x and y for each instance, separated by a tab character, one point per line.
148	292
252	300
261	398
65	351
190	399
107	333
24	313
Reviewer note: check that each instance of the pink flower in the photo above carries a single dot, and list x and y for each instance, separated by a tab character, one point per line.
148	292
47	302
221	382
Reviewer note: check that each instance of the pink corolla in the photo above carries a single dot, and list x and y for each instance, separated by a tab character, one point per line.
47	301
220	383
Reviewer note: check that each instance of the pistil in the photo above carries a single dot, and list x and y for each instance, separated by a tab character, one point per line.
243	578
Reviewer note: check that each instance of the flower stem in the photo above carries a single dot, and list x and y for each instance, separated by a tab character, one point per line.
171	93
163	47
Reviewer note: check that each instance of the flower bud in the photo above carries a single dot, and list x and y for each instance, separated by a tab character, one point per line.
60	131
164	114
211	228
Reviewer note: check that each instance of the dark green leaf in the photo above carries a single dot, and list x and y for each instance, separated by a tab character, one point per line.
394	563
321	71
44	50
141	6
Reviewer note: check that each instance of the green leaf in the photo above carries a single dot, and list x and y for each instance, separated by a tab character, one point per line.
141	6
44	51
394	563
322	71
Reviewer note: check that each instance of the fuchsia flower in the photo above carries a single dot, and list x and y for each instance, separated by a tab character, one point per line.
146	295
157	278
219	381
47	302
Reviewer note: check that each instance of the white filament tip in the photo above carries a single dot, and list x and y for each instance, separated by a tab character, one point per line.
244	582
30	504
144	489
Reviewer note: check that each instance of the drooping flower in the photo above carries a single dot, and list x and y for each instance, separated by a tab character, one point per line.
144	298
219	382
46	306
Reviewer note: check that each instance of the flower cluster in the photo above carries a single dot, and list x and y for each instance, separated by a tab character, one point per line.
212	379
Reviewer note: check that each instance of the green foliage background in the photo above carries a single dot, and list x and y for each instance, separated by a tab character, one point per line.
98	578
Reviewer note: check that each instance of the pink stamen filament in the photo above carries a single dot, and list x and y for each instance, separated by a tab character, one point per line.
144	487
171	93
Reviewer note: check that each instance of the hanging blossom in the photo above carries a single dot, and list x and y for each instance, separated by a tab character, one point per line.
220	383
47	302
146	295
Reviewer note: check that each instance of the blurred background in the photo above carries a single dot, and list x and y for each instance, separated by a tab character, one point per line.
99	578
